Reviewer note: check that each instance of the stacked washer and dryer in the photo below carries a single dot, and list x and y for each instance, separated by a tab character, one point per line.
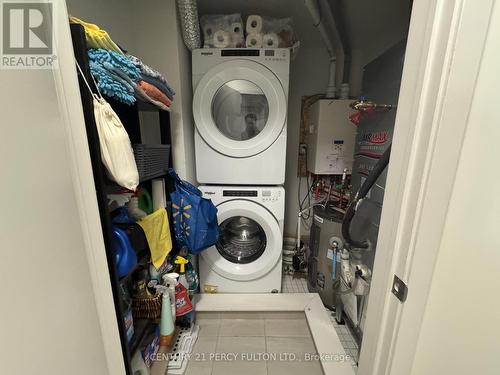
240	112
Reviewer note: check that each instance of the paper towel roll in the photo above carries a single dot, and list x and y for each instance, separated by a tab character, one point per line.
254	24
254	40
159	195
221	39
270	40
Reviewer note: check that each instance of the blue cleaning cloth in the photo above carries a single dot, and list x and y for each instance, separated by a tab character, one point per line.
115	74
149	73
159	85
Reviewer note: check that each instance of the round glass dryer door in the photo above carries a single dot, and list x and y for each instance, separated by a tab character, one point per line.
242	240
250	241
239	108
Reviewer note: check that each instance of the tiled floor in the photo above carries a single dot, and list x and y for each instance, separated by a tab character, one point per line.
253	344
298	284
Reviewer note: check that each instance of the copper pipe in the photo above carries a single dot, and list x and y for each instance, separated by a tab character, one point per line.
363	105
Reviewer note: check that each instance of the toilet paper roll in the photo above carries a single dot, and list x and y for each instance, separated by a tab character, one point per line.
208	30
254	24
221	39
254	40
270	40
237	28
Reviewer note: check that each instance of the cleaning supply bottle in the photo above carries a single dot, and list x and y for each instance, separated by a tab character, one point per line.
133	208
182	271
192	278
167	327
170	281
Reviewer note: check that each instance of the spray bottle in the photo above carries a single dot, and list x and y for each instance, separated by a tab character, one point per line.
166	322
182	271
170	281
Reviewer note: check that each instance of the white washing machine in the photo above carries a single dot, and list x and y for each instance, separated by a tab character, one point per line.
247	257
240	111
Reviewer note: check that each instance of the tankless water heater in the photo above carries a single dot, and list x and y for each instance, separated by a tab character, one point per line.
331	137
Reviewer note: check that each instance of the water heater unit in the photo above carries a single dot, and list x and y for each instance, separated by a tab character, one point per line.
331	137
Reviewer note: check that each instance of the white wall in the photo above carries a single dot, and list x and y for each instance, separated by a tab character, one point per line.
158	41
308	75
372	27
460	332
114	16
49	322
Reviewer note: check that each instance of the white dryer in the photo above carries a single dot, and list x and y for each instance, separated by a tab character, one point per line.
240	111
247	257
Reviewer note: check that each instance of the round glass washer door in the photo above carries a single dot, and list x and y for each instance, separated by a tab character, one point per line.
242	240
239	108
250	242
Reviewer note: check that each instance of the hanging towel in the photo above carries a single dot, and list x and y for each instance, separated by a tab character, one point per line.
157	231
96	37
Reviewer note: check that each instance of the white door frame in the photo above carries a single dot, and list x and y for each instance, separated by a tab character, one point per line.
444	50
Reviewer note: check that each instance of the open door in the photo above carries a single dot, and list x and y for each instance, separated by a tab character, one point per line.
444	50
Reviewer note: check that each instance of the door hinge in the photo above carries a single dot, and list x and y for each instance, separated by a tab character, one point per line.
399	289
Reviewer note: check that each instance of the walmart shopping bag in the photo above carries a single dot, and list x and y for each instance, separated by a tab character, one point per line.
195	217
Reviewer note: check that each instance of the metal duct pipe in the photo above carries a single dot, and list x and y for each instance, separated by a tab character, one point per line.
188	14
315	11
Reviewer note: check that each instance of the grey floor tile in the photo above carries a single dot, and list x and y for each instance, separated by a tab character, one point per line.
287	328
241	345
241	327
294	368
240	368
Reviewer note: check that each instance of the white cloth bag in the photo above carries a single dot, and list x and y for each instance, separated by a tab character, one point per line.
116	151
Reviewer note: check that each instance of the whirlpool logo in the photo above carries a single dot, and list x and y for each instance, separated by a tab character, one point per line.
27	35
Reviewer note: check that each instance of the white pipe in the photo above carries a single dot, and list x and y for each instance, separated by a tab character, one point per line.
315	11
331	89
300	218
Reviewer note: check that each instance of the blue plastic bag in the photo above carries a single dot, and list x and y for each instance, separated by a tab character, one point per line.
195	217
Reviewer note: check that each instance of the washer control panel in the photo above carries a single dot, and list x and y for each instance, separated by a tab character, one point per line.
271	195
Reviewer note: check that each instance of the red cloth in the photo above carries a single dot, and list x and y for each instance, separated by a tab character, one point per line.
154	93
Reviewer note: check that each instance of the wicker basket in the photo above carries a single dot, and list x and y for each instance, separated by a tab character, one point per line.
147	308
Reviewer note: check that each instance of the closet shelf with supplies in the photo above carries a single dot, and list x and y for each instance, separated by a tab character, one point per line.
136	99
